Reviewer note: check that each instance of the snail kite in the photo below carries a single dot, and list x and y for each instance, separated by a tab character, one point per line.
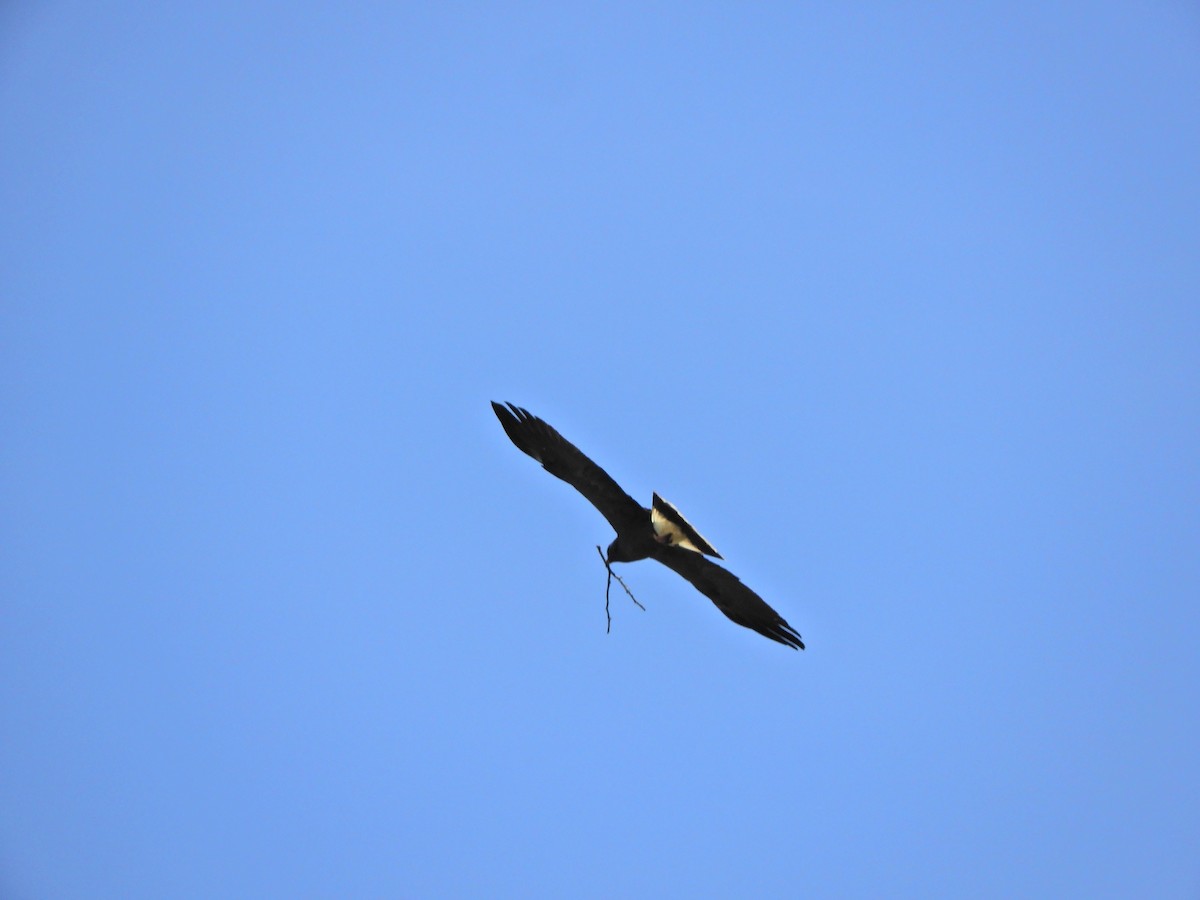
659	532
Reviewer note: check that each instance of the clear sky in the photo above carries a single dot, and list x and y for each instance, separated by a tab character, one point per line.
898	303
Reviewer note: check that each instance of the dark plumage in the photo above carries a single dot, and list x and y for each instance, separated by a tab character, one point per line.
659	533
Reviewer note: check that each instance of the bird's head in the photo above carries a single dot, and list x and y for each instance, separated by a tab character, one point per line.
617	553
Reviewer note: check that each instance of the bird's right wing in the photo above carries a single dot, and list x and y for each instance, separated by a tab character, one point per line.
731	597
564	460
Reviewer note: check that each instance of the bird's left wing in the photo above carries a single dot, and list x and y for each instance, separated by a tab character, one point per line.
564	460
733	598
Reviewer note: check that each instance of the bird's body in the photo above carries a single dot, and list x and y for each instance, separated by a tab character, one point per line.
659	532
633	542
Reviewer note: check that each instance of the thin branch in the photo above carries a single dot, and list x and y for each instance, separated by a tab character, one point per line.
608	584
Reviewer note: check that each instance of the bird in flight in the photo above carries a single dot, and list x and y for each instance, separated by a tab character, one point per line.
659	532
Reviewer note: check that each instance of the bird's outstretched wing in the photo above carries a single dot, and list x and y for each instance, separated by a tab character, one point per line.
564	460
732	597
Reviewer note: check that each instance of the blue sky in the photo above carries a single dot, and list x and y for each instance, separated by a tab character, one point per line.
897	303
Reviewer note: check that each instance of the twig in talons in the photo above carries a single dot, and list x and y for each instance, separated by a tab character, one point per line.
608	584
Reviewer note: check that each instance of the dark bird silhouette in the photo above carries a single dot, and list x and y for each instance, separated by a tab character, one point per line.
659	532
